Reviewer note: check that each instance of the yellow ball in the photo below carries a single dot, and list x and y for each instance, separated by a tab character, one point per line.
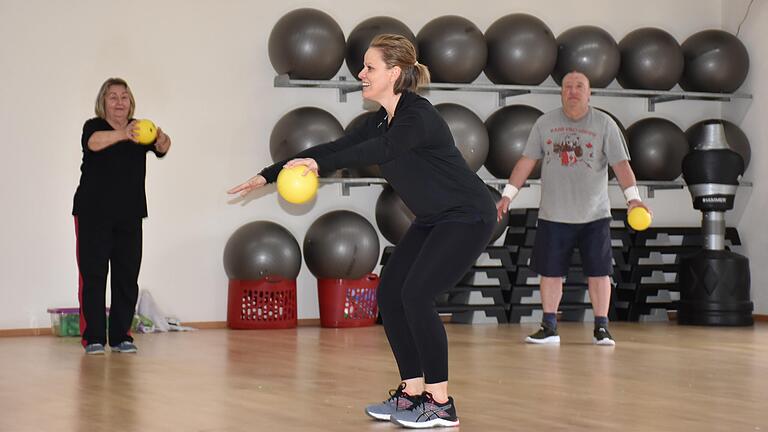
147	131
639	219
295	187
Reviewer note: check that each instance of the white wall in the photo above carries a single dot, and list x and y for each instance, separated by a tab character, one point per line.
753	121
201	71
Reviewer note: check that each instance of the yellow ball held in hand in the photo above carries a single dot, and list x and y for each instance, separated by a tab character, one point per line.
639	219
294	186
147	131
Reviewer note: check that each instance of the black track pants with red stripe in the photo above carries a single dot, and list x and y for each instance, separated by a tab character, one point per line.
104	245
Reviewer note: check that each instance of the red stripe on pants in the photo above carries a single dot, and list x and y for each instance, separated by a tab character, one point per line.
83	324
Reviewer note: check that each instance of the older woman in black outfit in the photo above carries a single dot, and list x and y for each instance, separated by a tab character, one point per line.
109	205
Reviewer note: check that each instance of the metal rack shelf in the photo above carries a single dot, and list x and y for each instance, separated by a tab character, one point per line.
503	92
651	186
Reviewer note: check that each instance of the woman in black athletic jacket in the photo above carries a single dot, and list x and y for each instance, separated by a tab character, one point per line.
455	216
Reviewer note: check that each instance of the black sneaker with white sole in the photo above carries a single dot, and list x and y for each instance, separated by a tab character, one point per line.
545	335
602	336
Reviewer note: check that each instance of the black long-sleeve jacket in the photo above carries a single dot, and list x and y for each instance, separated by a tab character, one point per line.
418	158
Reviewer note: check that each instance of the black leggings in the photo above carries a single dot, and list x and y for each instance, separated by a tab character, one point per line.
426	262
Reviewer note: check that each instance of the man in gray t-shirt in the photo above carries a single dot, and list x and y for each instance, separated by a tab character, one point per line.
576	144
573	153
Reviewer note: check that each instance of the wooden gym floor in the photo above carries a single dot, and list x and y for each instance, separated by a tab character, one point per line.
660	377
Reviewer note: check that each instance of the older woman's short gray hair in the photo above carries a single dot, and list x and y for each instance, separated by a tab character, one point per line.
101	108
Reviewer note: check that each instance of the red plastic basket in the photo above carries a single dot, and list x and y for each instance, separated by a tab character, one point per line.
268	303
348	302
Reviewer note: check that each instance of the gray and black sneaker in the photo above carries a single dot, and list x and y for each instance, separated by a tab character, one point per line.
398	400
94	349
124	347
545	335
426	413
602	336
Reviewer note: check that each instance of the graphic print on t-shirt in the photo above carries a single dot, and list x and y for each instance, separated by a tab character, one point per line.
570	147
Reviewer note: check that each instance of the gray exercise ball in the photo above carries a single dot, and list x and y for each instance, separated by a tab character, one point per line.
361	36
521	50
453	48
306	44
657	148
589	50
341	245
301	129
372	170
468	132
501	225
260	249
715	61
508	130
737	139
392	216
651	59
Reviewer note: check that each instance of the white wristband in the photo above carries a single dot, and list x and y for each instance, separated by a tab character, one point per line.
632	193
510	191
